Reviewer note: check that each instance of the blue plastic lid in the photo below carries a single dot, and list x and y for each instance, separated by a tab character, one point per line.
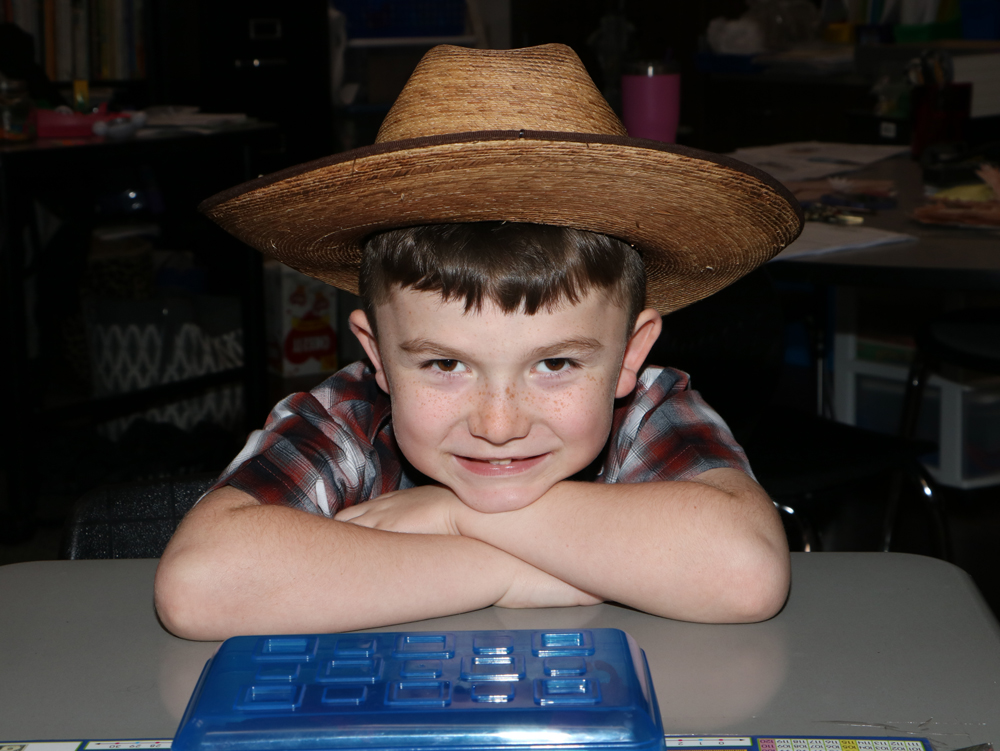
454	690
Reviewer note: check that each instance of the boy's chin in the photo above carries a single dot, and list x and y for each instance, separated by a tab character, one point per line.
496	502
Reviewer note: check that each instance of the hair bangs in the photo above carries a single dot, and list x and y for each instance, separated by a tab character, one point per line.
518	267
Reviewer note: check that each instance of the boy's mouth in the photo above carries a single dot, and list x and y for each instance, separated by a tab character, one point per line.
505	466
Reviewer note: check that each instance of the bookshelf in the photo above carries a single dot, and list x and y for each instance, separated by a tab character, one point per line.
94	40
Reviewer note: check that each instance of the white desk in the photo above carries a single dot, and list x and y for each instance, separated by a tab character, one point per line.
869	644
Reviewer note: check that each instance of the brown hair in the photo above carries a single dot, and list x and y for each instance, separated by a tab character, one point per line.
518	267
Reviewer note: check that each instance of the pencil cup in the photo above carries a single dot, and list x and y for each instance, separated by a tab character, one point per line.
940	114
651	103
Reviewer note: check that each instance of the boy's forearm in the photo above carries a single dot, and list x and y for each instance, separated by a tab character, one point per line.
236	567
685	550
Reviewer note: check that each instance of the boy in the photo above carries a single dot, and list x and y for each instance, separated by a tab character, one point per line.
505	445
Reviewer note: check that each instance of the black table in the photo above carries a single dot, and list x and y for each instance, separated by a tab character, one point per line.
942	258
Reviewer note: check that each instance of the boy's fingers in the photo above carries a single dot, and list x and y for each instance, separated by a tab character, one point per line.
360	509
351	512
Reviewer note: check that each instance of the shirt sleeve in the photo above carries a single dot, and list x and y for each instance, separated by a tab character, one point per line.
666	431
323	450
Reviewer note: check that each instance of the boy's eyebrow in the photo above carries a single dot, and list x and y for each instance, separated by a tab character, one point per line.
578	346
426	347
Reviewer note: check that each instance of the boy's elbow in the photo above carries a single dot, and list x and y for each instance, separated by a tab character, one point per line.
758	586
184	596
200	587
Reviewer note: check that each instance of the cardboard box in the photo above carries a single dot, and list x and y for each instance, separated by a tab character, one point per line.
301	322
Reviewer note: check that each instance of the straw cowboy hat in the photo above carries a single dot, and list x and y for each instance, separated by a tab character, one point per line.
523	136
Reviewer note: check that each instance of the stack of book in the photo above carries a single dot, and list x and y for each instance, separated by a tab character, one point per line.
96	40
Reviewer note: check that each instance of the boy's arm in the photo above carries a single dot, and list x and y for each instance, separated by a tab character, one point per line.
235	566
711	549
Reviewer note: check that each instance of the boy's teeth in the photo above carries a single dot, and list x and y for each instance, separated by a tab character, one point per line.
500	462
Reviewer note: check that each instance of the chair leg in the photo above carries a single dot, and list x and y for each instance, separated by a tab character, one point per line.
912	401
932	503
803	527
896	483
914	395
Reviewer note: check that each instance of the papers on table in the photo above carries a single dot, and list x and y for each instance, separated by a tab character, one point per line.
822	57
199	120
191	119
820	237
807	191
810	160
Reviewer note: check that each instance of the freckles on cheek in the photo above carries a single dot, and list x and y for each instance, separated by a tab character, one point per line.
423	408
586	411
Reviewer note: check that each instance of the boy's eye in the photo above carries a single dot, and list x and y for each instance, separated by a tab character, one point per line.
448	366
553	365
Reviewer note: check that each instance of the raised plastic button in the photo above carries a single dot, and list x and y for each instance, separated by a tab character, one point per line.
350	696
564	666
424	647
421	669
559	643
493	668
419	693
350	671
271	698
286	649
494	644
493	693
278	672
566	691
355	646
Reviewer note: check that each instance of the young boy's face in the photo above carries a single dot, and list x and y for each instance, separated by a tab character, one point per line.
500	407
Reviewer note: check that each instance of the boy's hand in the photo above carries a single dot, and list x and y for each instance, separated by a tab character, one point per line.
435	510
428	510
532	588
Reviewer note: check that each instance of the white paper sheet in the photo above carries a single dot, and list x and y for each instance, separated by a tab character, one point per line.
820	237
810	160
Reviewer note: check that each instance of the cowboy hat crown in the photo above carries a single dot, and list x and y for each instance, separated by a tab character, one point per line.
520	136
542	88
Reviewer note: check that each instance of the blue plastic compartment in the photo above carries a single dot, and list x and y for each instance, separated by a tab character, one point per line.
453	691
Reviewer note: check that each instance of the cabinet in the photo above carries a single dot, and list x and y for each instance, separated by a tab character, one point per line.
53	194
270	60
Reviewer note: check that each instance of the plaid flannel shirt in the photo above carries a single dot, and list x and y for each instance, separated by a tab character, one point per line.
333	447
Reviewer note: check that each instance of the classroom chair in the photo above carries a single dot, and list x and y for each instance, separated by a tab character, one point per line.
131	520
968	338
732	345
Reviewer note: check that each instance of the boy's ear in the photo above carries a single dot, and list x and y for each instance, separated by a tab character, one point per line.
646	331
362	329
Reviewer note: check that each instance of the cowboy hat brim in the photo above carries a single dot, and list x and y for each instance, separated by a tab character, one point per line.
699	220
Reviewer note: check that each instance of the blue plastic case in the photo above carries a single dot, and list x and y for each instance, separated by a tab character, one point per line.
453	691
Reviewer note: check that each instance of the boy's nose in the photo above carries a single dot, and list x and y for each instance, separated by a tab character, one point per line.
499	416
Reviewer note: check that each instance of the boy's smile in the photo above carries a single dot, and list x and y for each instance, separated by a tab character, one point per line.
500	407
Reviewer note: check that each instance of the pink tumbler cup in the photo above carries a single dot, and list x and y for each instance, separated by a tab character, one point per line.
651	104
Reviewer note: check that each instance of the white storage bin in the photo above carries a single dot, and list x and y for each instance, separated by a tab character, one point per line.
962	418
